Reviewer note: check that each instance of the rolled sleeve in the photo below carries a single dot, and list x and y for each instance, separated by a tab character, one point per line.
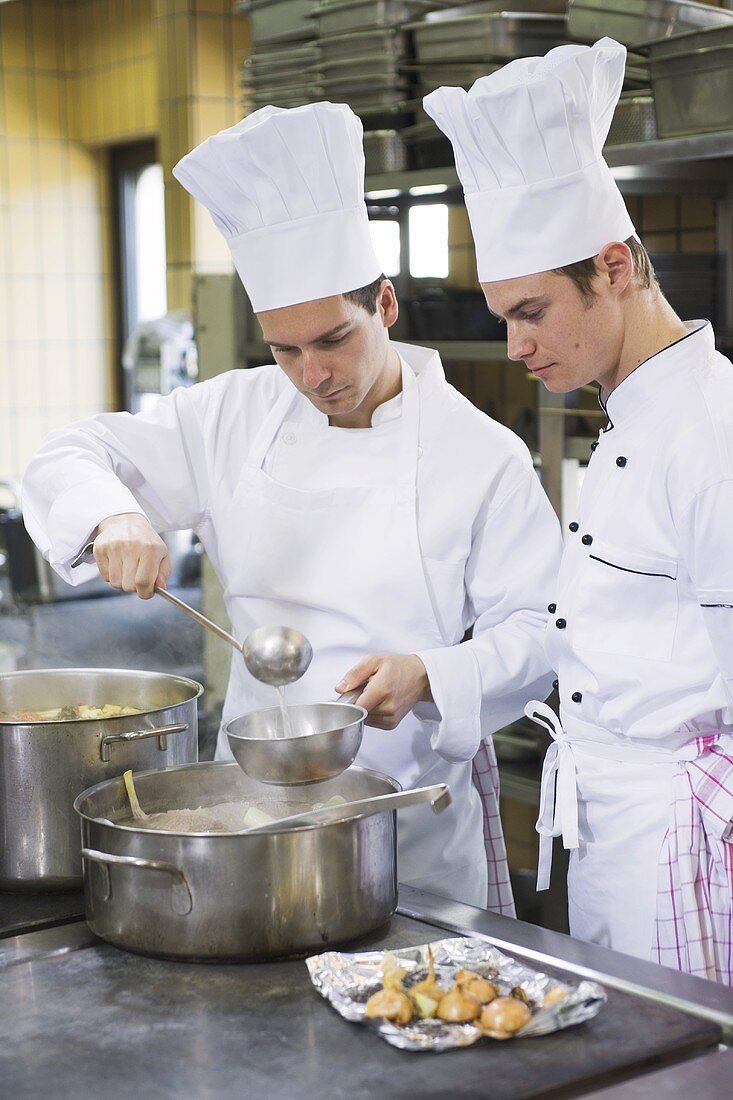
455	684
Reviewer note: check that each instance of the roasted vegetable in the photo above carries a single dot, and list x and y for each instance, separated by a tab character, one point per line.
458	1007
428	986
390	1004
481	988
504	1016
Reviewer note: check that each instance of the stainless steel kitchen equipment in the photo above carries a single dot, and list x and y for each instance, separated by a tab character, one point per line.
278	20
692	79
45	765
345	16
322	742
218	895
141	1027
343	49
635	22
493	36
437	796
384	151
194	614
277	655
633	119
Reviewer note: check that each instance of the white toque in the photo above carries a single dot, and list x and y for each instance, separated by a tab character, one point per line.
286	189
527	142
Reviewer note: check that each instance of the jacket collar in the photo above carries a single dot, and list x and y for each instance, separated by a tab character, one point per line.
653	377
425	364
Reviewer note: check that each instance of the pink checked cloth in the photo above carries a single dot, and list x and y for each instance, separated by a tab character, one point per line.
485	774
694	922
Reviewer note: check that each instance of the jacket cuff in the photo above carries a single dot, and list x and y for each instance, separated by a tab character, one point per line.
455	718
88	504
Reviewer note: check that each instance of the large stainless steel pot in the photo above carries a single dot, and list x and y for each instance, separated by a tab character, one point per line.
217	895
45	765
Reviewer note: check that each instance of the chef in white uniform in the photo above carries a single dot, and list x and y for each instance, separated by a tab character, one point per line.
639	780
347	491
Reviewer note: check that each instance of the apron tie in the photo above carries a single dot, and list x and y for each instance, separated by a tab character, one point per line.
558	791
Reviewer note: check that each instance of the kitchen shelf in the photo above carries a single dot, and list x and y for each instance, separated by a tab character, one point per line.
683	150
691	148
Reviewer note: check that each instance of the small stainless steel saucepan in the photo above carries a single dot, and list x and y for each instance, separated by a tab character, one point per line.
326	738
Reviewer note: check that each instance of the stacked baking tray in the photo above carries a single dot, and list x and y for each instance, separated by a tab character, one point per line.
633	119
636	22
692	77
281	67
458	45
363	60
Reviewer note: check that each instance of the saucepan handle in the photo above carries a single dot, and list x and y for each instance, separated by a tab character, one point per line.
349	696
181	898
139	735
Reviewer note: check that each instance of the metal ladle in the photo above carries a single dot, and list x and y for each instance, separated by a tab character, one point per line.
437	795
275	655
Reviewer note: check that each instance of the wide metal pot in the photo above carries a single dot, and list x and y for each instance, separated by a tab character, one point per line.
45	765
217	895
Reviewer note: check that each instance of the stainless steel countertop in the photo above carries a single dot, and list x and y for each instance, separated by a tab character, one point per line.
78	1017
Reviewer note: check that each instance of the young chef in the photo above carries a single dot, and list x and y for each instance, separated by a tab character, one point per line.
639	781
348	491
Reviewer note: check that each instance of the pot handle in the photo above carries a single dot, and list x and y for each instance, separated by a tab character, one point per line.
180	891
139	735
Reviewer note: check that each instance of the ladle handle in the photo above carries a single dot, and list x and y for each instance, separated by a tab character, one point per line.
87	556
438	796
198	617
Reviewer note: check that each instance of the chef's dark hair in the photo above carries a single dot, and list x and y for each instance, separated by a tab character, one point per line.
366	296
583	273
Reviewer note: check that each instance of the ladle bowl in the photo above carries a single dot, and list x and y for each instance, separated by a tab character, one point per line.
277	655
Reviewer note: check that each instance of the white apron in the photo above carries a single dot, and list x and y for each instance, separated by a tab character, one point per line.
615	804
344	567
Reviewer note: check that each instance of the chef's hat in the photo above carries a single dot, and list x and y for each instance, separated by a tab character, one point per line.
527	142
286	189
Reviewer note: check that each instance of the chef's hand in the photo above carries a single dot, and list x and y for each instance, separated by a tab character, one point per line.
130	555
394	684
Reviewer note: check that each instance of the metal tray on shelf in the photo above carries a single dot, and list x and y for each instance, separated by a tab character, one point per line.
493	7
384	151
342	16
388	42
366	96
634	22
633	119
375	67
286	97
478	37
286	58
430	77
692	80
278	20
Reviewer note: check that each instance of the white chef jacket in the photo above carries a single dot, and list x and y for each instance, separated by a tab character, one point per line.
641	632
641	635
478	502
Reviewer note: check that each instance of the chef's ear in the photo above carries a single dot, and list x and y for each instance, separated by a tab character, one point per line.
387	305
615	264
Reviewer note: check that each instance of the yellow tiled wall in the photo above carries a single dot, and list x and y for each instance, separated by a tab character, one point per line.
56	331
77	76
199	43
111	71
